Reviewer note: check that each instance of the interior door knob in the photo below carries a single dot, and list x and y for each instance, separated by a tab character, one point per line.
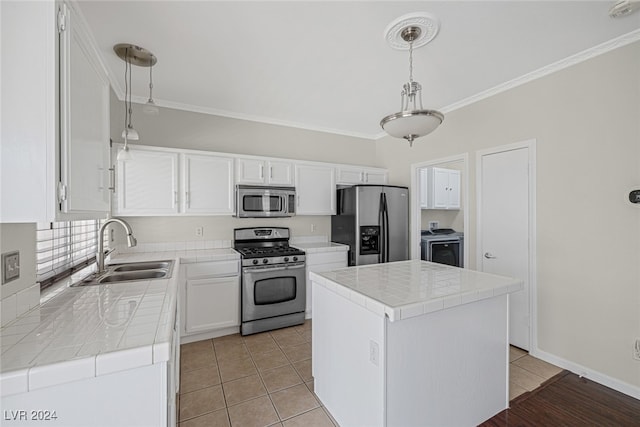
488	255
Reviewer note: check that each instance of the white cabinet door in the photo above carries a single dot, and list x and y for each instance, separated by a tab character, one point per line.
148	183
320	262
263	172
454	189
212	304
84	125
208	184
280	173
315	190
250	171
424	188
440	188
356	175
375	177
443	188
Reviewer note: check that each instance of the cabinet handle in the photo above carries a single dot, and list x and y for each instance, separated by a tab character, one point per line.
270	172
112	179
187	198
175	198
261	172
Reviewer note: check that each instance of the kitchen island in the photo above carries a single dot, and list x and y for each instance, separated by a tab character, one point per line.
411	343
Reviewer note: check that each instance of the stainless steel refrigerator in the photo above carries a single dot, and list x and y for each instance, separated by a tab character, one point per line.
374	221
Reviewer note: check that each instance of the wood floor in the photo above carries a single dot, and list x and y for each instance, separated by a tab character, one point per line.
568	400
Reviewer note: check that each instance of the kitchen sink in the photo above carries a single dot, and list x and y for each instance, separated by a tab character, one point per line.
135	266
129	272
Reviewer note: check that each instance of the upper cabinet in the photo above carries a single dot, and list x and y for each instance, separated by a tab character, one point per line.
263	172
440	188
148	183
208	184
84	123
315	189
161	181
55	117
351	175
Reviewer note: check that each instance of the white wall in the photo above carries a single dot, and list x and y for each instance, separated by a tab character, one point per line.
21	294
586	120
182	129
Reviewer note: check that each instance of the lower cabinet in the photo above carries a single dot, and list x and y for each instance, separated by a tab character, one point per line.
211	296
319	262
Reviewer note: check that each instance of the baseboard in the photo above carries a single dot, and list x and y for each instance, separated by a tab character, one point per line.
208	335
582	371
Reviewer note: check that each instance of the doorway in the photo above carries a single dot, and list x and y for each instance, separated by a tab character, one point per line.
456	218
506	228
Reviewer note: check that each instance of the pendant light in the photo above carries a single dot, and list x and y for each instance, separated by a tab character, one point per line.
131	55
150	107
412	121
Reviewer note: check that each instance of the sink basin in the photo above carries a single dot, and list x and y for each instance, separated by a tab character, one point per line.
129	272
135	266
128	276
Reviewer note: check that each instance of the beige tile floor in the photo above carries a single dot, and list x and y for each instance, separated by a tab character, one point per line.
265	380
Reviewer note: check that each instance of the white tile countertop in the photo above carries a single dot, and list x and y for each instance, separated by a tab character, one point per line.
87	331
404	289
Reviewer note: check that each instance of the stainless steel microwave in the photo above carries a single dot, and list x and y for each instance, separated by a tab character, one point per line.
255	201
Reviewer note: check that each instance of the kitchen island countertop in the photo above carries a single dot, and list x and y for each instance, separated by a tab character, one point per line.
406	289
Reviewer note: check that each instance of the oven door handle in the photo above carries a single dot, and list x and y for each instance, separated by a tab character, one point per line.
268	268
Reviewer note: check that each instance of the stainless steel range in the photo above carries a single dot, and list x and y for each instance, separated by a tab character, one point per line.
273	279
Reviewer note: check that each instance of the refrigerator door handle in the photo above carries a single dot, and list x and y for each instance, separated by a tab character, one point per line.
386	228
381	228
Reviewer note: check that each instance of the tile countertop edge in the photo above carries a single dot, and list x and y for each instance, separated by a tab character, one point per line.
413	309
28	378
321	247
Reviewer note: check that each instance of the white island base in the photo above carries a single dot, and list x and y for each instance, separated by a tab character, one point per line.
375	367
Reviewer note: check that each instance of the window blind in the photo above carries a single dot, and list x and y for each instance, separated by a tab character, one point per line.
62	247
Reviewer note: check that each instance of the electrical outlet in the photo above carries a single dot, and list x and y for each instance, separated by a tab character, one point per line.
636	349
374	352
10	266
434	225
199	231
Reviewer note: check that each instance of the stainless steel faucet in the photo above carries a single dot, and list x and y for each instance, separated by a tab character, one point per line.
131	241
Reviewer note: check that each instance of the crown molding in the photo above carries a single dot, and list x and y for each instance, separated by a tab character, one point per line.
569	61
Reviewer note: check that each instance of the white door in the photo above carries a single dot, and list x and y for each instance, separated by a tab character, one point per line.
504	230
250	171
315	190
280	173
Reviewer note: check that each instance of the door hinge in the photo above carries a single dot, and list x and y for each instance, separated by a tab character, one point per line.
62	19
62	192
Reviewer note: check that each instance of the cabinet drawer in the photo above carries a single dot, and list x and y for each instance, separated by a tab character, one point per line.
213	269
327	257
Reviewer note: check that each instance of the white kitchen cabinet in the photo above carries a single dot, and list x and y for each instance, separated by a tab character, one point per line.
54	160
147	184
319	262
315	189
211	296
208	184
263	172
442	188
347	175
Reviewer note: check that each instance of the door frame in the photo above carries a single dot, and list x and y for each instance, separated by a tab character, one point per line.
530	144
416	213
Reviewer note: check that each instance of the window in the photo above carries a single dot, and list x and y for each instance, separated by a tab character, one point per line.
64	247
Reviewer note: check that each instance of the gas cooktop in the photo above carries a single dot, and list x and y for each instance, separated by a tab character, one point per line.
268	251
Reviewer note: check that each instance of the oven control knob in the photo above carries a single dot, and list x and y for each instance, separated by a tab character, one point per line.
286	259
264	261
295	258
255	261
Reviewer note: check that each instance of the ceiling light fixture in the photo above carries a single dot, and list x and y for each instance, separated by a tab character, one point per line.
623	8
150	107
413	121
131	55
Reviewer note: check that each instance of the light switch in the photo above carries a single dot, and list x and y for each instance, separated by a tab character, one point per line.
10	266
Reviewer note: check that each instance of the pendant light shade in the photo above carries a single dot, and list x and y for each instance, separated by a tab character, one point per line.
413	120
